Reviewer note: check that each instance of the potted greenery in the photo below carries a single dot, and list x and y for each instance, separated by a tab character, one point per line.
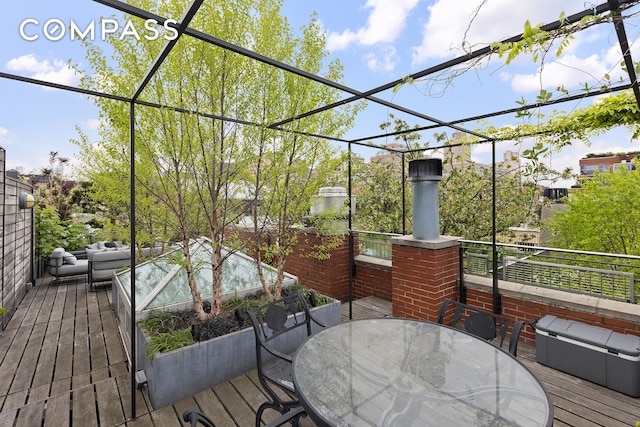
178	365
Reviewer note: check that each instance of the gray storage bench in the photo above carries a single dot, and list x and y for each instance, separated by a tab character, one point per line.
590	352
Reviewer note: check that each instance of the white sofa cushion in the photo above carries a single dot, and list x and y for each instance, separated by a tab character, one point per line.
57	257
69	258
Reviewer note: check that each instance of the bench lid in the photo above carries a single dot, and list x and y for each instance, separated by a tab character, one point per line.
625	344
589	334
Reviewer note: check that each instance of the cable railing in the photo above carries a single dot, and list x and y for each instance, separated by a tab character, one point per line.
612	276
377	245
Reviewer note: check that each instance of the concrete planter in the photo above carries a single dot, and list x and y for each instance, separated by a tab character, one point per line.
189	370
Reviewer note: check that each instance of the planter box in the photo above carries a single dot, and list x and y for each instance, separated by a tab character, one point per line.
189	370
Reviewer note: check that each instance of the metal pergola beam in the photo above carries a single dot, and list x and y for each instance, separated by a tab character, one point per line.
462	59
624	47
143	14
184	22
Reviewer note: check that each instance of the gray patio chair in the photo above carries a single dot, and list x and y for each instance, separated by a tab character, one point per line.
196	418
489	326
280	326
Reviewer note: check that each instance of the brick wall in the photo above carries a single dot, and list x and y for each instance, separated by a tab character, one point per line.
424	273
524	303
329	277
372	278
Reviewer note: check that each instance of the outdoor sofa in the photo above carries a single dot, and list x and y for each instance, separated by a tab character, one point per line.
63	264
103	264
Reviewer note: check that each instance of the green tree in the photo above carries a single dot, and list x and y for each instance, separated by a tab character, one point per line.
466	200
49	230
289	166
56	190
465	192
194	171
379	184
378	188
601	217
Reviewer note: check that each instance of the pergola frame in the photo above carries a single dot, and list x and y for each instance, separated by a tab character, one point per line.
183	29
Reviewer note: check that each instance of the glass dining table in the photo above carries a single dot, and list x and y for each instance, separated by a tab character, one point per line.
400	372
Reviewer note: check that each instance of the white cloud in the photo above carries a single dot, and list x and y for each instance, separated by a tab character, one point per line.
6	137
477	23
571	70
93	124
56	71
385	23
385	60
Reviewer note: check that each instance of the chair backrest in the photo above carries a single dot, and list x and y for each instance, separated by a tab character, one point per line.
272	321
489	326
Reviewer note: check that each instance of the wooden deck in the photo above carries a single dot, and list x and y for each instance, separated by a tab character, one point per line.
62	364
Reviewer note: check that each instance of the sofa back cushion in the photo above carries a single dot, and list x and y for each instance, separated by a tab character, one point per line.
69	258
111	259
57	257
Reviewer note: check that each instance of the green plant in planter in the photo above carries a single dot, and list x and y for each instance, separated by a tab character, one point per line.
163	335
3	310
171	330
168	341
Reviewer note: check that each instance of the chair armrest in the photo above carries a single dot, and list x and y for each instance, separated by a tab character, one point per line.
316	321
277	353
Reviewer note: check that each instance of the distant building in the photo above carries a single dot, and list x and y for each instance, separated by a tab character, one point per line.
458	156
605	163
393	155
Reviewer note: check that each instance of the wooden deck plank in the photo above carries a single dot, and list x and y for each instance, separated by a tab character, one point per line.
93	388
110	411
35	307
113	342
12	359
57	310
209	404
165	417
242	414
39	393
6	338
367	307
124	387
7	418
97	348
60	386
28	362
30	414
15	400
69	302
64	356
47	357
83	406
184	405
143	421
48	298
58	411
81	355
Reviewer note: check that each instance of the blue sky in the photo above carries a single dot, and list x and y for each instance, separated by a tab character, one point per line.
377	41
